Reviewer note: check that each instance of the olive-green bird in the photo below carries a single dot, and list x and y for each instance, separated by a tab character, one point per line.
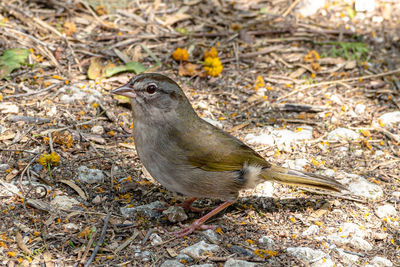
188	155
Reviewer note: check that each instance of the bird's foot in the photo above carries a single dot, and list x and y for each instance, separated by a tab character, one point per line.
187	205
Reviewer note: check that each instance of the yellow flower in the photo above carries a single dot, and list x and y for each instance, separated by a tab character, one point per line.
52	159
211	53
213	66
180	54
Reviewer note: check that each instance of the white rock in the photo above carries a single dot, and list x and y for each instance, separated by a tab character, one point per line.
8	190
90	176
388	118
386	210
360	243
202	265
335	99
309	7
239	263
73	94
145	256
262	139
361	187
342	134
265	189
315	257
359	109
211	235
172	263
175	214
365	5
381	262
199	248
269	243
72	227
97	129
351	229
312	230
8	107
64	202
52	112
297	164
151	210
155	239
347	258
287	137
396	194
214	122
4	167
358	153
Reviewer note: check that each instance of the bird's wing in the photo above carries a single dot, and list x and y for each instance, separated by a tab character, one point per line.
211	149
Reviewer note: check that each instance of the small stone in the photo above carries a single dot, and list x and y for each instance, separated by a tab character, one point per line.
90	176
297	164
96	200
347	258
211	235
312	230
263	139
360	243
7	189
145	256
266	241
396	194
97	129
364	5
240	263
155	239
359	109
265	189
309	7
64	202
241	252
361	187
351	229
342	134
71	227
151	210
305	253
352	64
381	262
199	248
175	214
202	265
184	257
386	210
336	99
389	118
4	167
8	107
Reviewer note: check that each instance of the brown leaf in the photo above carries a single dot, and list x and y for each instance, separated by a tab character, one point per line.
21	244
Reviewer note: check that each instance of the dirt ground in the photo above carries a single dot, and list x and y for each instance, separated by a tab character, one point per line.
57	107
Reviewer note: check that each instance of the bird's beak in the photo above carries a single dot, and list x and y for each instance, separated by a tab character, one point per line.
125	90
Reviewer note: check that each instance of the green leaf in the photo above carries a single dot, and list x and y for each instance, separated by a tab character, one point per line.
12	59
351	12
132	66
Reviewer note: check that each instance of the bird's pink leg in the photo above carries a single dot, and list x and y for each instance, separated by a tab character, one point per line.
199	222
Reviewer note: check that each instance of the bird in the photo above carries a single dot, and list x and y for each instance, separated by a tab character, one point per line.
188	155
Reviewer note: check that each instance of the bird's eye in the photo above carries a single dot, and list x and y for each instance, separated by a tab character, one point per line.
151	89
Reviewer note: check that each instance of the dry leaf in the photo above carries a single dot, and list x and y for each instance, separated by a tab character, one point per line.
69	28
189	69
21	244
75	187
95	68
11	175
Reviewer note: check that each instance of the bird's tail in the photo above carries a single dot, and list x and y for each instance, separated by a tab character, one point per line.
299	178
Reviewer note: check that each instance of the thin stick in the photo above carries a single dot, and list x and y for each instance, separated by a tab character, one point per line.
290	8
101	240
